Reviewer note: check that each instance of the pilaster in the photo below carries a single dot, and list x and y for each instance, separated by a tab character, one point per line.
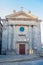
4	38
30	39
14	37
9	37
37	39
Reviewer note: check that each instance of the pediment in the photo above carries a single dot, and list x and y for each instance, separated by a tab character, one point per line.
21	14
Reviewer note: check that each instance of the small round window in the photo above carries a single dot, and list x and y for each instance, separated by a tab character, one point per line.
22	29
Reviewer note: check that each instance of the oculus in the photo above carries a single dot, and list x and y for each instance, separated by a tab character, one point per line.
22	29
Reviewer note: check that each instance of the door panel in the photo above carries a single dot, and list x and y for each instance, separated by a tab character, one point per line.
21	48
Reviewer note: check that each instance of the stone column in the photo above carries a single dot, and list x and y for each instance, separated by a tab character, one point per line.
32	33
9	37
30	40
35	38
39	39
4	38
12	31
14	37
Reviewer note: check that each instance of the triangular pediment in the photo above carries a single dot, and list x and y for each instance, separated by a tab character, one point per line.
21	14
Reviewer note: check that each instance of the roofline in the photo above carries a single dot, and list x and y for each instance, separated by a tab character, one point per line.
23	19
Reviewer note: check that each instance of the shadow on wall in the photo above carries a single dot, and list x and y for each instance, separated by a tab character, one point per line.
0	47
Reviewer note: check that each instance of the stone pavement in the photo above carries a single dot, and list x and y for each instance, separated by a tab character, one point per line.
18	59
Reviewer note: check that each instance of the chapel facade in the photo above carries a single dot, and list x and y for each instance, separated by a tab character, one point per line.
21	34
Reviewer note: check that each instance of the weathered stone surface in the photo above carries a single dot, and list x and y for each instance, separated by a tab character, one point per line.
31	36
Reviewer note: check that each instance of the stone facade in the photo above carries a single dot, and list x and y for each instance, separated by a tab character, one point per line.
21	34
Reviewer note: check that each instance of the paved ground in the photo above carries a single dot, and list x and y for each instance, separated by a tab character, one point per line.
20	60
